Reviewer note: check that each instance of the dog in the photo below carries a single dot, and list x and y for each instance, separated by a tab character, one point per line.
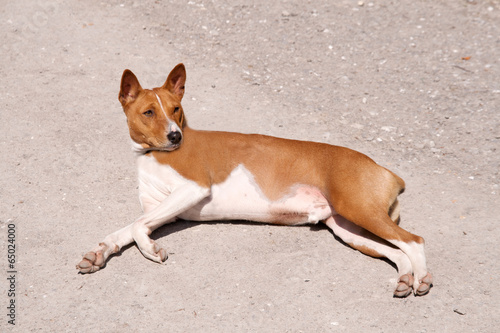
207	175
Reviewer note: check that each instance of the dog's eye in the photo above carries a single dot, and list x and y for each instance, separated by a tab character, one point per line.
176	109
148	113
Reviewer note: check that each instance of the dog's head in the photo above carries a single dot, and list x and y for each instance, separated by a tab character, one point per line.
155	117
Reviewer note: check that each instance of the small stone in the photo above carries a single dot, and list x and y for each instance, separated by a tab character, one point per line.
388	128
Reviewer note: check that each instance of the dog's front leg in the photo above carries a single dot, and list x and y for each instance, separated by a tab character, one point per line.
94	260
181	199
178	201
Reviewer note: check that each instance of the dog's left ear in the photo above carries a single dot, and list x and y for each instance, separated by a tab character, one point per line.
176	80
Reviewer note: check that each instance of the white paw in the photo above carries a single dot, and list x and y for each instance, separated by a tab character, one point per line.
422	286
154	252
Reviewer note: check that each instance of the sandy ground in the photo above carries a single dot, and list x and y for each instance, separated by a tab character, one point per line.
413	84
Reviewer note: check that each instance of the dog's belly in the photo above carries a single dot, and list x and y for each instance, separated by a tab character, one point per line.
240	198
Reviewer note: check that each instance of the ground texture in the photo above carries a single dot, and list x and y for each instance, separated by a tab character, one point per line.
413	84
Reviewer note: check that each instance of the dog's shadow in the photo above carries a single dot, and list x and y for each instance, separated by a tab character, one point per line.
181	225
177	226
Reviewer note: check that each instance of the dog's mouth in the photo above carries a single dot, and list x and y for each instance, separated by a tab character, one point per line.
145	148
170	147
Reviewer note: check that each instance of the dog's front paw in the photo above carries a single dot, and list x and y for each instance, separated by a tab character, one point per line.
96	259
91	262
154	252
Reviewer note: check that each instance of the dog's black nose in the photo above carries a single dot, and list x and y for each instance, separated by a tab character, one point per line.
174	137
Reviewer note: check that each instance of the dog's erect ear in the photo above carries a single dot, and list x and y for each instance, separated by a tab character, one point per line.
176	80
130	87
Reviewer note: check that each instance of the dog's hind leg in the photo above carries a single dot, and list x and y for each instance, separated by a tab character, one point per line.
374	246
381	225
370	203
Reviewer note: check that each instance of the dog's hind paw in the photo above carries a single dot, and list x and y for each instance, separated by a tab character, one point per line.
404	287
424	286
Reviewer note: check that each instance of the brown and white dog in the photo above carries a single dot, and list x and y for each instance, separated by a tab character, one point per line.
203	175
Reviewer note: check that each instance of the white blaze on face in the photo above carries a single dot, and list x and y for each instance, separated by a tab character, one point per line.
161	106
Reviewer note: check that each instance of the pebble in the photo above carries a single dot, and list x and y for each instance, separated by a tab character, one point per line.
388	128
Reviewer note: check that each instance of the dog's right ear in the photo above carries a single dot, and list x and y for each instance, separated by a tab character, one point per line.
129	88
